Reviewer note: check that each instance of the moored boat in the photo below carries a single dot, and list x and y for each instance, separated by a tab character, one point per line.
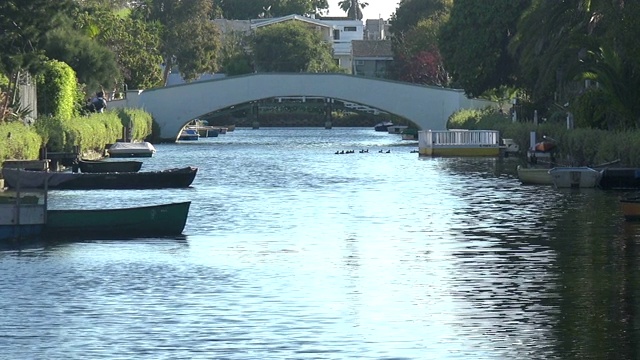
396	129
620	179
534	176
145	221
131	149
102	166
383	126
188	134
575	177
170	178
21	217
630	208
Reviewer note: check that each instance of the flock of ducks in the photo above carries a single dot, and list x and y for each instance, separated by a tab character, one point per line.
363	151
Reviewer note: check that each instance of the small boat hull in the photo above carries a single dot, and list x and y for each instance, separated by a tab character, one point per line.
383	126
534	176
129	150
87	166
620	179
22	218
630	209
575	177
170	178
146	221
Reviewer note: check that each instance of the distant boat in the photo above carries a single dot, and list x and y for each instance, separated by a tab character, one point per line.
383	126
170	178
396	129
145	221
575	177
188	134
131	149
534	176
88	166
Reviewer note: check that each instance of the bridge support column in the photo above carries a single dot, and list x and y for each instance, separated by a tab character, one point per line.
255	110
328	120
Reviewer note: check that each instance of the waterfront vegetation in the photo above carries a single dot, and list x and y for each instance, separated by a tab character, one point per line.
86	133
576	147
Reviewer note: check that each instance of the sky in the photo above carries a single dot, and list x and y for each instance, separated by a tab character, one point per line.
375	10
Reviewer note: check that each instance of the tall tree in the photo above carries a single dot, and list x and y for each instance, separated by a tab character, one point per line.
23	27
190	40
549	38
291	47
474	43
353	8
410	12
253	9
415	31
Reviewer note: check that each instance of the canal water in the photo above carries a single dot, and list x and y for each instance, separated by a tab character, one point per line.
294	252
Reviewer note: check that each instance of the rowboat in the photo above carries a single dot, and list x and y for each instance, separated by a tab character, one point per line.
89	166
534	176
21	216
620	179
131	149
145	221
630	208
575	177
170	178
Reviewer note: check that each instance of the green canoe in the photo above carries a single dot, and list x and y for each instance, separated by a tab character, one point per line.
145	221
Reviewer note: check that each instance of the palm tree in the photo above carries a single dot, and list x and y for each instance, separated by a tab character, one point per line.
353	8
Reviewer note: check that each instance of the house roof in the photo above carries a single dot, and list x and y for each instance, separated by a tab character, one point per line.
372	48
266	22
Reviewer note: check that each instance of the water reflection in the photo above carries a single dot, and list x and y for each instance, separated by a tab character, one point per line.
292	251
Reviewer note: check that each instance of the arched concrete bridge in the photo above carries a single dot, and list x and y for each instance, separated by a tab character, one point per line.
173	107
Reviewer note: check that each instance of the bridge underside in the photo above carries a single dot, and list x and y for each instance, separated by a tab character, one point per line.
173	107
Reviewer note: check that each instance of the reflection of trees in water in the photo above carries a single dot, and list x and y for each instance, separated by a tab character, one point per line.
555	269
596	271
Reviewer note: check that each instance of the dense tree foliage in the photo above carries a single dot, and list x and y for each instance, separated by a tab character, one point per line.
415	31
23	27
474	43
291	47
253	9
410	12
190	40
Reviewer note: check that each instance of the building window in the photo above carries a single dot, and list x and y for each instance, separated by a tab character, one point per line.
349	28
336	34
359	62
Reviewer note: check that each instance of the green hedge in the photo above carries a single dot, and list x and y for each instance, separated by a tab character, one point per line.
19	142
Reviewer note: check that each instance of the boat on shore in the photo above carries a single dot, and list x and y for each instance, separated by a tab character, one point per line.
145	221
575	177
131	149
170	178
102	166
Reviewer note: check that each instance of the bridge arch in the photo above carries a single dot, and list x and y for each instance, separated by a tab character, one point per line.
172	107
